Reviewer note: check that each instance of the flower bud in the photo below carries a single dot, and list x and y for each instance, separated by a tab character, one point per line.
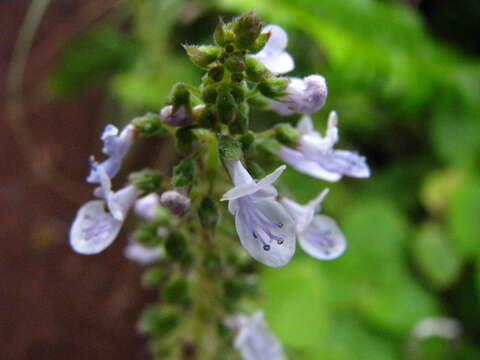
226	106
176	246
150	125
216	73
260	42
255	169
286	134
223	35
274	88
177	203
185	139
235	63
158	320
203	56
240	123
153	276
247	140
184	173
147	235
229	148
178	118
247	28
175	291
146	180
208	117
255	70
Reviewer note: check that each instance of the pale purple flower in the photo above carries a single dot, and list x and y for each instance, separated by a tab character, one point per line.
98	222
254	341
146	206
264	227
175	201
273	54
315	155
116	146
304	96
179	117
318	235
142	254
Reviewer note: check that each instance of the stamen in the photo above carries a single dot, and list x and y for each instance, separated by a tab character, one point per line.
266	247
280	241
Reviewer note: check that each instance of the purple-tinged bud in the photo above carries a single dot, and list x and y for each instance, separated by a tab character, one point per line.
176	202
179	117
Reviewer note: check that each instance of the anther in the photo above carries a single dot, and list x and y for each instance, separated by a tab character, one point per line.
280	225
255	235
280	241
266	247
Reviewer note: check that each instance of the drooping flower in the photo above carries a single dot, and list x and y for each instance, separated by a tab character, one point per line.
142	254
264	227
318	235
146	206
116	146
98	222
304	96
315	155
273	54
254	341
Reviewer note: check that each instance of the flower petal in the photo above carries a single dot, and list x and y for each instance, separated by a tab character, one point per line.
323	239
306	165
142	254
277	62
278	254
147	205
305	125
238	173
344	162
93	229
278	37
122	201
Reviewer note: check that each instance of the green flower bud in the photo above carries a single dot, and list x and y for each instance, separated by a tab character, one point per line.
223	35
248	141
146	235
260	42
153	276
238	91
185	139
209	94
150	125
208	117
158	321
269	147
176	246
226	106
247	28
175	291
273	88
256	71
184	173
229	148
181	96
240	124
235	63
204	55
208	214
146	180
286	134
216	73
255	170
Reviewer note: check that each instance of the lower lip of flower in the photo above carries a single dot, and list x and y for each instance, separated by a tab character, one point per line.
259	224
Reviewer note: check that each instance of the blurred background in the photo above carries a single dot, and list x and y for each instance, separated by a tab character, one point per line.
404	77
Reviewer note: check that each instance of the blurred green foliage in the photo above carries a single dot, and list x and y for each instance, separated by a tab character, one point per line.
406	100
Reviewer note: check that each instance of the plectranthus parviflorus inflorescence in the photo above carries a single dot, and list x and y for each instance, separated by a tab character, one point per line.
218	197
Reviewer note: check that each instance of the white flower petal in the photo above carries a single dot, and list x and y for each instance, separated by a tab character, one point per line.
305	125
278	39
306	165
254	341
344	162
147	205
307	95
271	178
323	239
247	227
277	62
240	191
122	201
142	254
238	173
93	229
280	108
303	214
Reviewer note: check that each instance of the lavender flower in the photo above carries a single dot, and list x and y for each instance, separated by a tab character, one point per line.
179	117
146	206
175	201
98	222
318	235
273	54
315	155
253	340
304	96
115	145
265	229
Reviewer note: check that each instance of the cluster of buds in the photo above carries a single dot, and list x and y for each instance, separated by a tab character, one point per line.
181	239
